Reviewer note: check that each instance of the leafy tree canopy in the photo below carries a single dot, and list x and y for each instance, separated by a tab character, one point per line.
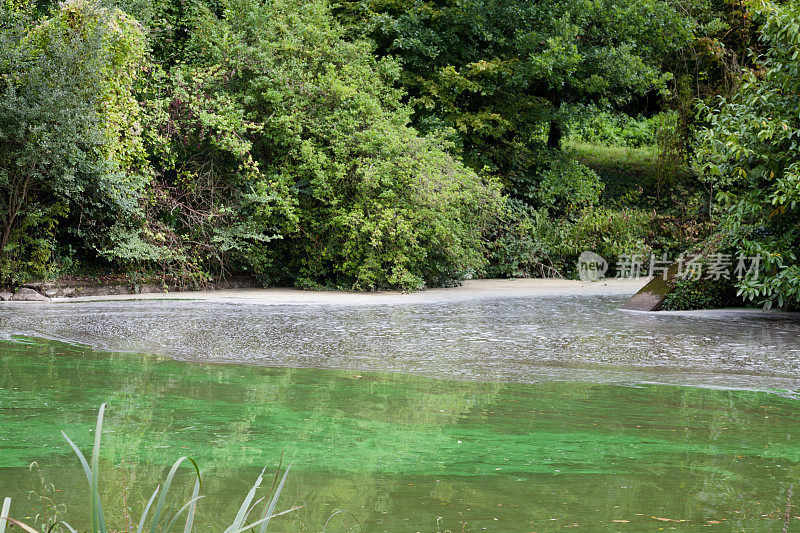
70	144
242	136
749	152
376	205
503	73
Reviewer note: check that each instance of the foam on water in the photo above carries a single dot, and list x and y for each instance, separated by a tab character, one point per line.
507	339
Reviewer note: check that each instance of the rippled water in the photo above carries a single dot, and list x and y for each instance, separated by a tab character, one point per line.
505	414
393	451
522	340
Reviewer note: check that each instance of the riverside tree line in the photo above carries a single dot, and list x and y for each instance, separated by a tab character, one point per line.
371	144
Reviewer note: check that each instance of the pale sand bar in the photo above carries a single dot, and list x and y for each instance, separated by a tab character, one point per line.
470	290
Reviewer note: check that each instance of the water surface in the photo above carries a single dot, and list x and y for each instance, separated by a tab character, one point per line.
522	340
555	418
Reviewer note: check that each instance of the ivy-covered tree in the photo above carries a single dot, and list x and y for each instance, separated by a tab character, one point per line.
749	153
70	146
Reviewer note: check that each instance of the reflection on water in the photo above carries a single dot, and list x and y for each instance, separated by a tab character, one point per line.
523	340
394	451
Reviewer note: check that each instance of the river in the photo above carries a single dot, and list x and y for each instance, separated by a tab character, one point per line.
499	414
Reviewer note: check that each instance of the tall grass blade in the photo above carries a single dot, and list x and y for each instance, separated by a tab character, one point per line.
254	524
253	506
340	512
167	483
86	470
180	512
328	521
142	520
4	514
60	523
241	516
271	508
24	527
277	475
190	516
98	520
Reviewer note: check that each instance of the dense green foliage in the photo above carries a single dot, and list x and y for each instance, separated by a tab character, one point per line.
507	75
71	155
262	124
601	127
396	143
749	150
319	132
689	294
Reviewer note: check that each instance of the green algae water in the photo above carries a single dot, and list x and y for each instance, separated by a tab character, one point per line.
393	452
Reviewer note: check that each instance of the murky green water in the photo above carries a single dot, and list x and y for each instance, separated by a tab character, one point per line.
396	451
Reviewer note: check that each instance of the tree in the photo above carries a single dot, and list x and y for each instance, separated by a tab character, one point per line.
505	74
69	136
269	99
749	152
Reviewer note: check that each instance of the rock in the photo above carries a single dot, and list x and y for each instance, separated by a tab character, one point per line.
651	297
5	296
151	288
67	292
94	290
40	286
26	294
110	290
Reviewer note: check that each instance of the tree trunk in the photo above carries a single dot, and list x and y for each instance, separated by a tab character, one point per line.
4	239
554	135
16	199
12	215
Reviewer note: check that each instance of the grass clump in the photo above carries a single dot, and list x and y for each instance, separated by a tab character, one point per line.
160	520
691	294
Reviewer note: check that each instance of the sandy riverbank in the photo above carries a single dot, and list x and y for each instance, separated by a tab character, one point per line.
470	290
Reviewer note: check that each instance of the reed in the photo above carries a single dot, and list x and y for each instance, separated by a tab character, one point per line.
159	520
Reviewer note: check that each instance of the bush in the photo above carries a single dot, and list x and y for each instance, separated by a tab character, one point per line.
690	294
255	137
592	125
749	155
556	182
373	204
70	145
524	242
611	233
527	242
568	187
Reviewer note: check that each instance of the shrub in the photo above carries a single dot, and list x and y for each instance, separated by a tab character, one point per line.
592	125
70	143
610	233
749	155
690	294
524	242
568	187
555	181
375	205
250	123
